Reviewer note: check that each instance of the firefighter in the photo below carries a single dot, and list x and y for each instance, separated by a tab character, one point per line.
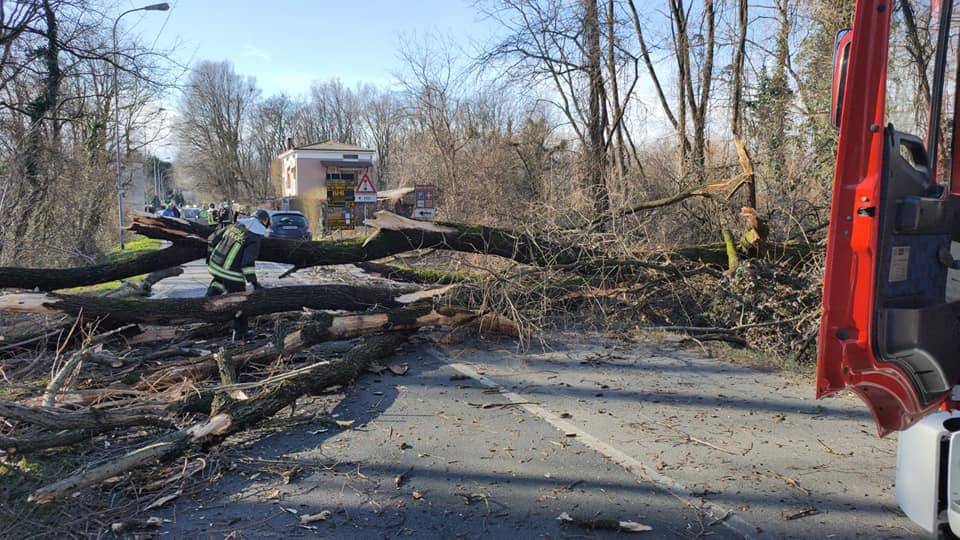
232	252
227	215
209	215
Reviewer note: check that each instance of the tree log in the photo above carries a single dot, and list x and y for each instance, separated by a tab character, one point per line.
235	416
322	327
415	274
395	235
49	279
91	418
716	254
173	311
31	442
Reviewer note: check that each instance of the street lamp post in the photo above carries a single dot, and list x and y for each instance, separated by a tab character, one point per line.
156	163
116	108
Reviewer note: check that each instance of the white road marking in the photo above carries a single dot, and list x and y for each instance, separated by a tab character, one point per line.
725	516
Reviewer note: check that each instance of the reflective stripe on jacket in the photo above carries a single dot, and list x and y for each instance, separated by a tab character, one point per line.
233	250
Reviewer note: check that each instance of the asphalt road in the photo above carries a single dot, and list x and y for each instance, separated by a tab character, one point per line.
491	443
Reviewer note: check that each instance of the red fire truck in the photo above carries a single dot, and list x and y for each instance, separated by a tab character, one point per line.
890	330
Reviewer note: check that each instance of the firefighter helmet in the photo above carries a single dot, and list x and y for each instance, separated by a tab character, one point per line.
263	217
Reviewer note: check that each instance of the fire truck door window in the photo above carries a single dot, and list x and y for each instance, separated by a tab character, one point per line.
910	73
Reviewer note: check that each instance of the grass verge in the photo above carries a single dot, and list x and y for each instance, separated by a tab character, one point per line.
136	246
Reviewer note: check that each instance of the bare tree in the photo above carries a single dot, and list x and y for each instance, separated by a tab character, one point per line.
273	120
383	121
214	111
332	112
596	155
432	84
55	62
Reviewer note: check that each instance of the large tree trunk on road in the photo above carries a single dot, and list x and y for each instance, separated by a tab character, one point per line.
174	311
395	235
323	327
50	279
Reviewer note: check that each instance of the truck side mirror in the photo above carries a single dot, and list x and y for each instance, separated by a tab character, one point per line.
841	57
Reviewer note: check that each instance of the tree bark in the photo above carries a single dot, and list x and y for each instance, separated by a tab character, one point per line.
51	418
736	121
323	327
395	235
414	274
618	151
597	125
235	416
174	311
50	279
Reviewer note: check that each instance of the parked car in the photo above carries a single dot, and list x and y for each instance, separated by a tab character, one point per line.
290	225
191	214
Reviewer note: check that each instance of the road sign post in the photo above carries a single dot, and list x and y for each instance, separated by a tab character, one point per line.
426	202
365	192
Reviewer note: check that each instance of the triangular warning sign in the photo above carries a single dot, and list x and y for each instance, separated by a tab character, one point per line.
365	186
365	192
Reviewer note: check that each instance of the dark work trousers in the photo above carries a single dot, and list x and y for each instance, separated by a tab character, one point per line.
220	286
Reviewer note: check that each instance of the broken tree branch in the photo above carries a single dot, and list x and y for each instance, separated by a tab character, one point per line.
234	417
322	327
173	311
91	418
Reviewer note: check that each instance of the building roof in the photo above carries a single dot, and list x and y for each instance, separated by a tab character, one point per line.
362	162
334	146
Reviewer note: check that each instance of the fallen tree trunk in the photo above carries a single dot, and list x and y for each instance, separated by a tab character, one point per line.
323	327
31	442
174	311
395	235
50	418
235	416
716	254
49	279
414	274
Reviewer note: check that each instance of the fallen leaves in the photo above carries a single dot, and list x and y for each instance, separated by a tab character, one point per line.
288	475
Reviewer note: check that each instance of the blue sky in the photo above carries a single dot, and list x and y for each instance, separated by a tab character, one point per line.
287	44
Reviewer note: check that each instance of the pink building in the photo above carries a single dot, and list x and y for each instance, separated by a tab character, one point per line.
306	171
